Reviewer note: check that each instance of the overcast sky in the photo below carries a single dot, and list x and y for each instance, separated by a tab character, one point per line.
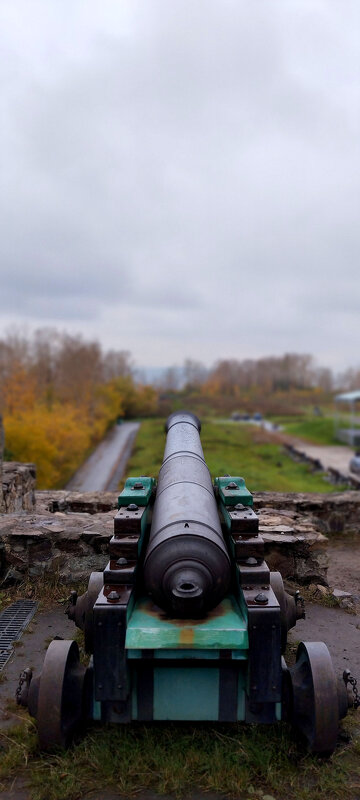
181	177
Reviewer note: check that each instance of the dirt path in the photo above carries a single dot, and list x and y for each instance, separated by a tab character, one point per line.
30	652
344	564
104	468
338	629
18	791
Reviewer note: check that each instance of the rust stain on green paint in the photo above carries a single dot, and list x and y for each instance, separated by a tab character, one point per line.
186	637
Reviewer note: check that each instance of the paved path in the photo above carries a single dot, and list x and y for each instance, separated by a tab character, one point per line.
331	456
104	468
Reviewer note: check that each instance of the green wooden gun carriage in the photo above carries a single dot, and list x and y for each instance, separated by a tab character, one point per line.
186	622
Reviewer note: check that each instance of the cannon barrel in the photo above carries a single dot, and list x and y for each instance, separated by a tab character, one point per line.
187	566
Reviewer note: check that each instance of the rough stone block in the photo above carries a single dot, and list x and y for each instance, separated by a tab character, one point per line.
18	487
337	512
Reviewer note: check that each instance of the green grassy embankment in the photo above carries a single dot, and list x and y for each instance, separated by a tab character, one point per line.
234	449
317	430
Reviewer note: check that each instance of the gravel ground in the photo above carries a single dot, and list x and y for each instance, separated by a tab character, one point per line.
344	569
338	629
30	652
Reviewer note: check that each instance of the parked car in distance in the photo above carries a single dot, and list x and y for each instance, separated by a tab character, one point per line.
237	417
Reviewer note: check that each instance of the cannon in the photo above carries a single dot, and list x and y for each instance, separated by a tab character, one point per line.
186	622
187	566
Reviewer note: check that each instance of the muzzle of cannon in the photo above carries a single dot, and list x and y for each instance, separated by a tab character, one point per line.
186	622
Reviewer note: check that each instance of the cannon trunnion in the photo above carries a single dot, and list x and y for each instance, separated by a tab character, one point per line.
186	622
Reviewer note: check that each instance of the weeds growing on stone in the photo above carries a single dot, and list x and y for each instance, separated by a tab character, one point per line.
48	592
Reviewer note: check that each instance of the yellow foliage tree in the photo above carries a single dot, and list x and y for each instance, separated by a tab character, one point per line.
59	394
18	391
56	441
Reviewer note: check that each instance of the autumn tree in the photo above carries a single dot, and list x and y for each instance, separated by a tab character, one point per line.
59	394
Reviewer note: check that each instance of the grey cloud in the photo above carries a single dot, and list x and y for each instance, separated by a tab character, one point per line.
188	168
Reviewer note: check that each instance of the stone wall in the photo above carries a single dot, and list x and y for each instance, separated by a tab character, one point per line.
66	539
67	533
329	513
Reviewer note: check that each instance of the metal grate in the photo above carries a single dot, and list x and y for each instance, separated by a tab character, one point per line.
13	622
4	657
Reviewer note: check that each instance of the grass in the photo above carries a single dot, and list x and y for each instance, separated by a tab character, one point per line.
318	430
311	594
234	449
47	592
241	761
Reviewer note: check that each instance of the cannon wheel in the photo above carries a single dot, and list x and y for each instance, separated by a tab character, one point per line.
314	697
60	701
96	583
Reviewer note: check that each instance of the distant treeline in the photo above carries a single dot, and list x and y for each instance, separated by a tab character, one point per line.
273	373
59	394
277	385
